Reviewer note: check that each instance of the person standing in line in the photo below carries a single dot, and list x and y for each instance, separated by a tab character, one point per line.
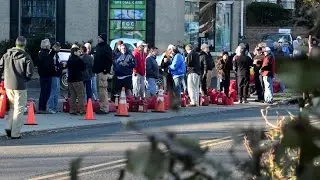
152	72
177	69
55	85
224	66
102	67
242	67
75	81
268	73
123	68
257	63
138	76
87	73
94	77
193	73
16	68
207	66
165	63
115	55
46	70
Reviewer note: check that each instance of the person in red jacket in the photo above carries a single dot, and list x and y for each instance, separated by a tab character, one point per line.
268	69
138	77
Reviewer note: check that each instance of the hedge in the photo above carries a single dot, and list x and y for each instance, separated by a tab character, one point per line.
267	14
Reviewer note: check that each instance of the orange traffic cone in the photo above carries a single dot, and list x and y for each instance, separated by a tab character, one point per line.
89	113
160	107
122	106
31	120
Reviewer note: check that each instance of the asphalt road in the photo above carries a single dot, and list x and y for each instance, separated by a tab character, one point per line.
103	147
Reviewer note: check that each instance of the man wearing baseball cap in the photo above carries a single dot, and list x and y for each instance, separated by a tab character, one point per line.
138	77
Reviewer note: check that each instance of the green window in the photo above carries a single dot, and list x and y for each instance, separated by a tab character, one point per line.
127	19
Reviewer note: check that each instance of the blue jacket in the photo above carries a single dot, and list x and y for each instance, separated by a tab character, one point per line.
124	65
178	67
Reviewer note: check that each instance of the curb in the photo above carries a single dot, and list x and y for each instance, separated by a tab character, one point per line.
107	124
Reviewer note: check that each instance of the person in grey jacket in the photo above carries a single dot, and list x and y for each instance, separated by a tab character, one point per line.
87	73
152	72
16	68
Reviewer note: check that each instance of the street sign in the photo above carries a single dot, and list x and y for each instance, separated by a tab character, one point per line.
288	31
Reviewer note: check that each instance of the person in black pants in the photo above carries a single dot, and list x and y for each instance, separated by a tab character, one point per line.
224	66
257	63
242	66
46	70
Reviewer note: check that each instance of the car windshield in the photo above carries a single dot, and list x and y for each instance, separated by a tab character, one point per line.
276	37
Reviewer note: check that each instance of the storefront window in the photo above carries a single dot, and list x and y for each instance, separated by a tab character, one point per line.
38	19
223	27
127	19
208	22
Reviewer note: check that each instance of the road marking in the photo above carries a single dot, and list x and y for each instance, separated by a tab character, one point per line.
81	169
203	144
94	171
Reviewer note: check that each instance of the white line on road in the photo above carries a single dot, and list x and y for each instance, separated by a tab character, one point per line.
94	171
81	169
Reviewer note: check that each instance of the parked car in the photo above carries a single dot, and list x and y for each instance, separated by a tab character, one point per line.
271	38
64	55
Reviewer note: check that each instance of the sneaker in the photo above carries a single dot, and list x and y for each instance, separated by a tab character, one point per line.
101	112
16	137
52	111
73	113
8	132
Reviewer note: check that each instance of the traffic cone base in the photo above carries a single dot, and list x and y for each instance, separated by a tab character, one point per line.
122	110
89	113
31	120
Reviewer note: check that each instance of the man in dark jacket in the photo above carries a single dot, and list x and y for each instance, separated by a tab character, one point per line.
193	73
207	66
257	63
55	85
75	81
152	72
102	66
46	70
242	67
87	73
16	68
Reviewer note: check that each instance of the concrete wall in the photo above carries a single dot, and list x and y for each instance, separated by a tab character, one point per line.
169	23
81	20
4	19
236	15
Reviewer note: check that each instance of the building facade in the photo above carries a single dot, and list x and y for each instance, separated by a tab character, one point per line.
159	22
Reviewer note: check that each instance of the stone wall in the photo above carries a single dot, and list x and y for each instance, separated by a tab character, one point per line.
4	19
81	20
254	34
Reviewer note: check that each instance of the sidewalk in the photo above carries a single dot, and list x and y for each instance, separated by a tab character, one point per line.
63	121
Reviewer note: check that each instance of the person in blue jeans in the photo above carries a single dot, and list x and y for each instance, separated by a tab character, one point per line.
87	73
152	72
55	80
94	77
178	70
46	71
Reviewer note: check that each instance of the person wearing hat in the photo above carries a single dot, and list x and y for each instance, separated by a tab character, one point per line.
16	68
257	62
102	66
268	73
152	72
75	81
138	77
55	82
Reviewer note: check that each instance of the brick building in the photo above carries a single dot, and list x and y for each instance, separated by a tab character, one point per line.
158	22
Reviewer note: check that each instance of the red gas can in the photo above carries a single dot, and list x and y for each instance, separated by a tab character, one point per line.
204	100
221	98
213	97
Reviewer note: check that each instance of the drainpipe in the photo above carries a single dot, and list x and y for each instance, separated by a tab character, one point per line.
241	19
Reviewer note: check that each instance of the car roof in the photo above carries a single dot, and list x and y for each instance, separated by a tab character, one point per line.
125	40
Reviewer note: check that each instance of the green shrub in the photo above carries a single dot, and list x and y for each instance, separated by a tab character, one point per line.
267	14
